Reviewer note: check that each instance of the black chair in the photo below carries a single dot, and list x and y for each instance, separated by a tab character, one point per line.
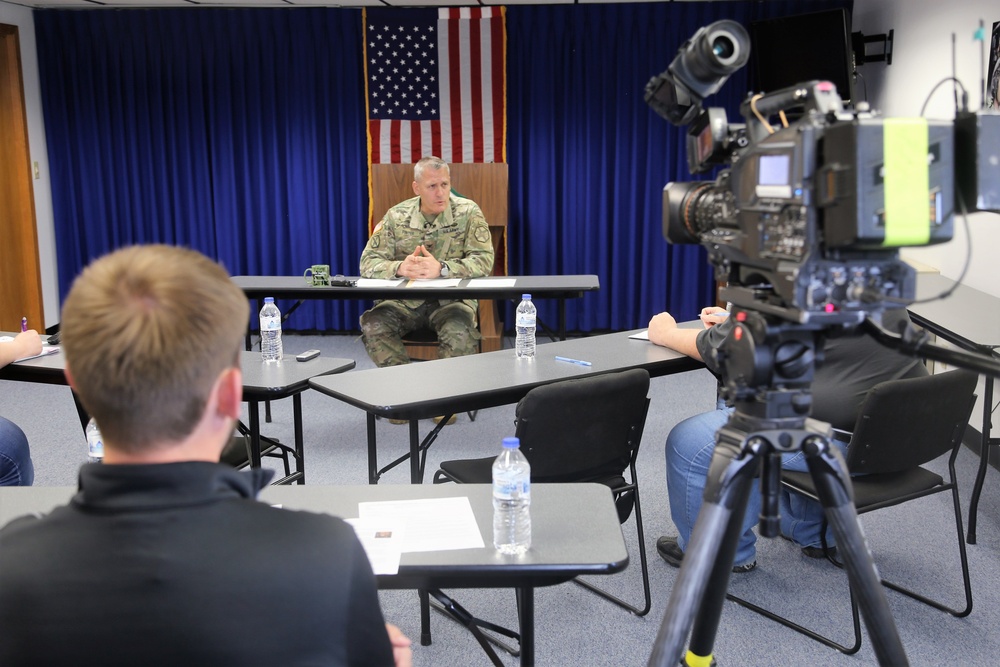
236	453
902	425
585	430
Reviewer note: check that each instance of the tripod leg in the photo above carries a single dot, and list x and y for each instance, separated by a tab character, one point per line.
700	587
706	624
833	487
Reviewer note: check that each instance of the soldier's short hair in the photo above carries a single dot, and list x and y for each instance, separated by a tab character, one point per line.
146	331
430	162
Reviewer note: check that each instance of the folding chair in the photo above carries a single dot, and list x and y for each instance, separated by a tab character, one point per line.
903	424
584	430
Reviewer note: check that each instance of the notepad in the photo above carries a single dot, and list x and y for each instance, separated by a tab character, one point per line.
417	283
378	282
46	351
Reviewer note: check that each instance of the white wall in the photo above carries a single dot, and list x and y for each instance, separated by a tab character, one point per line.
922	56
21	17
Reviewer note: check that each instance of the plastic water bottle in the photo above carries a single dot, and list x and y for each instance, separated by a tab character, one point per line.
95	443
511	500
270	331
524	323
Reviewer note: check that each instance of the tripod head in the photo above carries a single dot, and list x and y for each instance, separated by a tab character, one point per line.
768	365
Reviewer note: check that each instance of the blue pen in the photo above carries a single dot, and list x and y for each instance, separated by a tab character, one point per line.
721	313
573	361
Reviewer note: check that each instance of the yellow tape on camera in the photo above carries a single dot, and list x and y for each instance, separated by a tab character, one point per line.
906	180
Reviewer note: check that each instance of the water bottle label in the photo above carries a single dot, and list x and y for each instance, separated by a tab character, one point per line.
270	323
525	320
512	489
95	447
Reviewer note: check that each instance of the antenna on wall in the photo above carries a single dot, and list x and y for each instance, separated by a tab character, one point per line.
981	36
954	73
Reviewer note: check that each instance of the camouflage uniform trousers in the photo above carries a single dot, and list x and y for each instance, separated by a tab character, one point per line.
383	328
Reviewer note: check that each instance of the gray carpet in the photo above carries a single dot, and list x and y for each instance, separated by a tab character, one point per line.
910	544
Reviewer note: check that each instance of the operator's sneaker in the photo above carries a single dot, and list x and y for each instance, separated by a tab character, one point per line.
451	420
672	553
814	552
817	552
397	422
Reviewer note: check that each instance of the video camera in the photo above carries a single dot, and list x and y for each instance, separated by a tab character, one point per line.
806	221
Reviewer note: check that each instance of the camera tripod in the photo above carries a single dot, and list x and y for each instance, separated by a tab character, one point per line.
768	366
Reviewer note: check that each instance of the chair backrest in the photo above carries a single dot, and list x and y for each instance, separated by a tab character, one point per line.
485	184
906	423
583	430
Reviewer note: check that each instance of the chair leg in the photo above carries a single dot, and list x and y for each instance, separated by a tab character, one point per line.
966	582
959	613
644	567
826	641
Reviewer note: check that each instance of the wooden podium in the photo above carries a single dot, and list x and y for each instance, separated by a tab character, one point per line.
485	184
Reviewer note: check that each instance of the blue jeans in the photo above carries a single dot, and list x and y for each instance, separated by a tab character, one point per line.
689	449
16	468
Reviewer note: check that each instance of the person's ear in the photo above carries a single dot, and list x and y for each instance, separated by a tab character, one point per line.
229	393
416	189
69	377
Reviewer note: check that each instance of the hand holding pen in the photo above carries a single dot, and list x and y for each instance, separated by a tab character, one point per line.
28	344
712	315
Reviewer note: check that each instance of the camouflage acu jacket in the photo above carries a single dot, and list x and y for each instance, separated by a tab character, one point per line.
459	238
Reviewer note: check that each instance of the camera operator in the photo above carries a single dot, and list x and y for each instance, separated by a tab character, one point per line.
851	366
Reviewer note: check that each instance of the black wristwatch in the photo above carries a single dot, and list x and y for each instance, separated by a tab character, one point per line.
444	270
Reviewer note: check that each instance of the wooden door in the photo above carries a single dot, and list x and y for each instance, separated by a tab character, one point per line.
20	278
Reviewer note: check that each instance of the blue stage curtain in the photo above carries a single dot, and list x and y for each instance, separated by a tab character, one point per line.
240	133
589	159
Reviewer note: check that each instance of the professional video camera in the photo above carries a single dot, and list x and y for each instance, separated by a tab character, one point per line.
806	222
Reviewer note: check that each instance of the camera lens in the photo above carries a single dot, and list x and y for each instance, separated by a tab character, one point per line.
723	47
716	51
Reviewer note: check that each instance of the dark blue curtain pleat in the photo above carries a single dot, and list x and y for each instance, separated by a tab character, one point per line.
588	158
242	133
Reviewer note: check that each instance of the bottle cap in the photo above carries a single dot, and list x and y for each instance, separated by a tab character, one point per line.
511	443
526	296
268	299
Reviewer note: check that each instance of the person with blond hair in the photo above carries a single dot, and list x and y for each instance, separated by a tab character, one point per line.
164	556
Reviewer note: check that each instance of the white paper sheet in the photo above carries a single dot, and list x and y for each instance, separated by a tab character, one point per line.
379	282
434	282
430	524
642	335
492	282
46	349
382	543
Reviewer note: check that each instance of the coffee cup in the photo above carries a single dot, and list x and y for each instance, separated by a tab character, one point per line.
317	274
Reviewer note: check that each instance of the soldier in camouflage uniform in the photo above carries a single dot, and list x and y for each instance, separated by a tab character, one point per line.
434	234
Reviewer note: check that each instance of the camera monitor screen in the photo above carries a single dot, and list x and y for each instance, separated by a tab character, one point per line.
773	170
793	49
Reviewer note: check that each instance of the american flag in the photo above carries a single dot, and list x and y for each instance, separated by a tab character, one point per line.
436	84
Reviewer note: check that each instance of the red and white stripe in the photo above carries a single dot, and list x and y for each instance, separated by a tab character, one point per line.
471	89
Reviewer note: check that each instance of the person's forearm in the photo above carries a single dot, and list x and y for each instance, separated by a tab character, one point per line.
8	353
375	266
475	264
684	341
14	350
